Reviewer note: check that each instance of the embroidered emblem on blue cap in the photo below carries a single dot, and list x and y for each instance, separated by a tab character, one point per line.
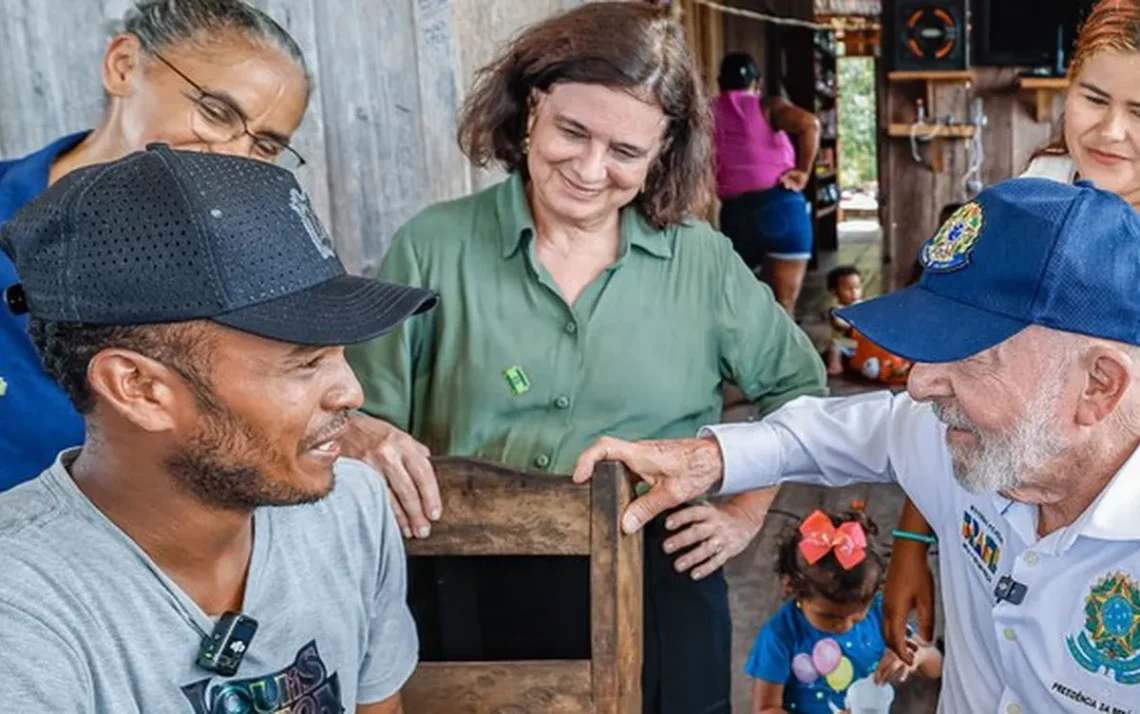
1110	640
950	247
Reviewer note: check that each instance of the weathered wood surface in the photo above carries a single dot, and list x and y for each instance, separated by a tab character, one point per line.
499	688
910	194
379	136
492	510
870	8
615	596
489	509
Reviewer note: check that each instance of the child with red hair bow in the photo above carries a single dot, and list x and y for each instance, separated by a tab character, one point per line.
828	635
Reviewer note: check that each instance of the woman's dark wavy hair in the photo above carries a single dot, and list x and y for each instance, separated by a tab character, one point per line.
828	579
626	45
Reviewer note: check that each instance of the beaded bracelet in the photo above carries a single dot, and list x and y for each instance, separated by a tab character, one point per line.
919	537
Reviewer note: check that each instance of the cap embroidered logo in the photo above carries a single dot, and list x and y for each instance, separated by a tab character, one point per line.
299	202
950	247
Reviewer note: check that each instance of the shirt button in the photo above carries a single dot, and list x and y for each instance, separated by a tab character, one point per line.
562	402
1031	558
542	461
571	327
1009	634
1013	709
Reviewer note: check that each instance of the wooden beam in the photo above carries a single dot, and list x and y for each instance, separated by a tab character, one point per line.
1043	90
615	596
490	509
931	76
941	131
546	687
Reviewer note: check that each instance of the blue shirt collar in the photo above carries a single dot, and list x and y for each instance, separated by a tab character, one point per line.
27	178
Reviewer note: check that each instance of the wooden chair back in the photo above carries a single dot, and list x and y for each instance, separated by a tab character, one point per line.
490	509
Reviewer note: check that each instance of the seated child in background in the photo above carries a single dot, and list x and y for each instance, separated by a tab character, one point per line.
845	284
829	634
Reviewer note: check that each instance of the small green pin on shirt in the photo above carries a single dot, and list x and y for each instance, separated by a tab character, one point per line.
517	380
3	386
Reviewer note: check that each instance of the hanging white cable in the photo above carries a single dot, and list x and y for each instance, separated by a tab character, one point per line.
915	138
975	151
761	16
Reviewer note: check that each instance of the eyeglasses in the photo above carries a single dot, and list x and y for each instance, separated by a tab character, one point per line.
216	120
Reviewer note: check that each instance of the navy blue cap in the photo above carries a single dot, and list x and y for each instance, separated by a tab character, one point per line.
1027	251
168	236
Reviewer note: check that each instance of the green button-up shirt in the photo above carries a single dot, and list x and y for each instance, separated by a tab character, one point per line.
504	369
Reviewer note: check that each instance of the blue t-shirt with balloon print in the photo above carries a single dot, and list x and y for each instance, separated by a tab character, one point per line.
816	667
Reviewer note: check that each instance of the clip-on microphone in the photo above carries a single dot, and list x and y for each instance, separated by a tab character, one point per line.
222	652
1010	590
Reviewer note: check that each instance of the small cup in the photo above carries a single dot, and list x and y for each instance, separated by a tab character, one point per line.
866	697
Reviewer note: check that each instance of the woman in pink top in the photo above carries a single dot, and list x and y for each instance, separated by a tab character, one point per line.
761	176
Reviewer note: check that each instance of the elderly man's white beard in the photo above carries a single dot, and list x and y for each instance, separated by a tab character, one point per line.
1004	461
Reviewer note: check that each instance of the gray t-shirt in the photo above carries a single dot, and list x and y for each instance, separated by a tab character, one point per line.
88	623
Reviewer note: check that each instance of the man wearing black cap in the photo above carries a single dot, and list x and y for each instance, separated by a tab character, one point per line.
193	308
1019	441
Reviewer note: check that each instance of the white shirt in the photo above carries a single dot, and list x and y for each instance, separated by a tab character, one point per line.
1057	167
1037	657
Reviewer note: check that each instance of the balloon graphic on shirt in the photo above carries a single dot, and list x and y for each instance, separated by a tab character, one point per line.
840	679
803	668
826	655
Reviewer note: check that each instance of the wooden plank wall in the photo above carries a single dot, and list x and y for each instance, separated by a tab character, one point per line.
911	195
848	7
713	33
380	132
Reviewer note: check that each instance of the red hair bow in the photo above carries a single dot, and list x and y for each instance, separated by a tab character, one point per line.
820	537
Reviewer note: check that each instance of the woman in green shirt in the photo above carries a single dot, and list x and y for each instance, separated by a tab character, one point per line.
579	299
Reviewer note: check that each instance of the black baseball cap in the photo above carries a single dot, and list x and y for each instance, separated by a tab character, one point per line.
169	236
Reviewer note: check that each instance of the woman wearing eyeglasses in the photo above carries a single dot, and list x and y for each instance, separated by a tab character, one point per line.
199	75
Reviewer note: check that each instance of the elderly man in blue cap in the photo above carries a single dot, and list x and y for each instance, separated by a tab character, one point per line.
1017	439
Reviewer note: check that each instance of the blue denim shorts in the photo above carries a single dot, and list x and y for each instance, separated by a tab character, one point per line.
776	223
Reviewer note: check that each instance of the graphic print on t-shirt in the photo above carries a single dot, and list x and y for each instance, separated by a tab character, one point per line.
304	686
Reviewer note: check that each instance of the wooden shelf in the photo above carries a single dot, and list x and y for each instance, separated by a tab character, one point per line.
826	211
1044	89
932	76
1043	82
935	134
935	131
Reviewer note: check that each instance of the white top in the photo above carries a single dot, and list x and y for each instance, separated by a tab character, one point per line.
1058	167
1072	645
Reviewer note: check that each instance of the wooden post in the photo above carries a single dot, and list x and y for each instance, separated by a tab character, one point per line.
615	595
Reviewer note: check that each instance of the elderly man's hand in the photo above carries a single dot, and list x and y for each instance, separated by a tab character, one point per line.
406	466
677	471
